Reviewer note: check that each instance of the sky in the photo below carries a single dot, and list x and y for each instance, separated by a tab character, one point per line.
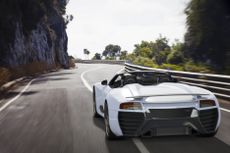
98	23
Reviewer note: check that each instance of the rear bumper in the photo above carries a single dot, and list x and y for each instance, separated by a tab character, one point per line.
166	121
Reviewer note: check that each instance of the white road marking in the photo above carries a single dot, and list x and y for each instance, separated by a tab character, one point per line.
28	85
84	80
16	97
136	141
224	109
141	147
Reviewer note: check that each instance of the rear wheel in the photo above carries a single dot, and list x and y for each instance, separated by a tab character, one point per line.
108	133
95	114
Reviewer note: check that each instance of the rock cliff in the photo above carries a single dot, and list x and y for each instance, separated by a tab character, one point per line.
33	31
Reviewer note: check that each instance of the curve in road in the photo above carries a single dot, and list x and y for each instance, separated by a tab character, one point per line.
55	114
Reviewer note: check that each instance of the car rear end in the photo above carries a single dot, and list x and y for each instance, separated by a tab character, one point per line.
141	117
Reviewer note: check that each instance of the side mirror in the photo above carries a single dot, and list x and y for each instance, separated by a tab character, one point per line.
104	82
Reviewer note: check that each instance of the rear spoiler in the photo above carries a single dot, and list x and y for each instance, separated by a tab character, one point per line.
164	95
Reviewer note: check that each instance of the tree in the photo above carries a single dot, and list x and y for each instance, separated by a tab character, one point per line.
208	32
176	56
123	55
157	50
161	50
111	51
144	49
86	51
97	56
161	44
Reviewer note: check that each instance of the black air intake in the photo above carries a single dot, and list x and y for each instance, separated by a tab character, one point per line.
208	119
130	122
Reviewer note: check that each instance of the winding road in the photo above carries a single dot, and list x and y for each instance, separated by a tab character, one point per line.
53	114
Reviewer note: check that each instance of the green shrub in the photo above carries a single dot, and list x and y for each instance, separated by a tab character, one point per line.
4	75
144	62
175	57
187	66
196	67
171	67
110	58
130	57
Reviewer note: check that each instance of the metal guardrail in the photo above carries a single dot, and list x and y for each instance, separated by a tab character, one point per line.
218	84
119	62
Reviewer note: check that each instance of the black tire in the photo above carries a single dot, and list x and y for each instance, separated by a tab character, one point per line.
95	114
108	133
212	134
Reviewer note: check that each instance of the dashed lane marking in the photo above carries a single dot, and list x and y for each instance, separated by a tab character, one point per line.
141	147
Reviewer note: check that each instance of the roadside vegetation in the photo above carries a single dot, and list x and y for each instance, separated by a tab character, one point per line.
32	69
206	46
156	54
7	74
4	75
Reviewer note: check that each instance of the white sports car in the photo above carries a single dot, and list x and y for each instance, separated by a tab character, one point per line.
146	103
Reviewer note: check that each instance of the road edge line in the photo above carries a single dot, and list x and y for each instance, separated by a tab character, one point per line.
85	82
224	109
16	97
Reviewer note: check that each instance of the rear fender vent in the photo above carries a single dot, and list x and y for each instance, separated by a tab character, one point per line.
130	122
208	119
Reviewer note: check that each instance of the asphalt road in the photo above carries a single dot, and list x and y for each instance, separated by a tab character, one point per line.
54	115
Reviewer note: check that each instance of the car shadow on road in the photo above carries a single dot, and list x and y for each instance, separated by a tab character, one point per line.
188	144
120	145
172	144
99	122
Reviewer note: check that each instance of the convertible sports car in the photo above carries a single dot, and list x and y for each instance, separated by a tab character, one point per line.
146	103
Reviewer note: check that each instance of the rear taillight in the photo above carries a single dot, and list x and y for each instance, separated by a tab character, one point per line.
207	103
131	106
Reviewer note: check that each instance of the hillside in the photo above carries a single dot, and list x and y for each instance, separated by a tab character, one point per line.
33	35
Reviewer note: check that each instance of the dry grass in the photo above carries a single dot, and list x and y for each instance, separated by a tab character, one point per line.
5	75
31	69
72	63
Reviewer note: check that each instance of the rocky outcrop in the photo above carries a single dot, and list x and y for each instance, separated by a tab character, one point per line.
33	31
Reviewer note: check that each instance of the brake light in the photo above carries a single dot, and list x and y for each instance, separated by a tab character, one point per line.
207	103
131	106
